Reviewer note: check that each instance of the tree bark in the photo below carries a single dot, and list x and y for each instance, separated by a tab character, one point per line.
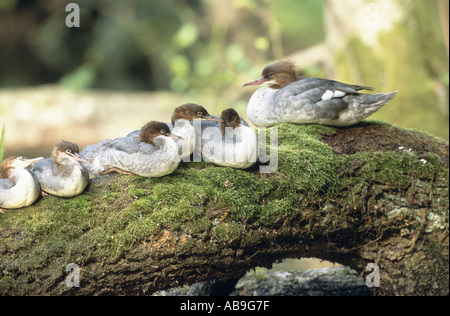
370	193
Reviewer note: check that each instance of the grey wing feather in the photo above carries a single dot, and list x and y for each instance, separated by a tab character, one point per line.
313	89
43	168
130	155
134	134
90	152
94	154
243	122
330	108
306	94
131	145
43	164
126	144
5	184
344	87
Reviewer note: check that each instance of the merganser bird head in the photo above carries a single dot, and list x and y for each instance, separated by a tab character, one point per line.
191	111
65	150
230	118
153	129
277	75
10	164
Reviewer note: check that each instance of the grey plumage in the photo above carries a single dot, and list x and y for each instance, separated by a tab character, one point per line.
229	143
129	155
309	100
68	183
18	187
62	175
306	95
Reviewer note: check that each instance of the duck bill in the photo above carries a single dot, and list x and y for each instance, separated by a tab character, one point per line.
78	157
34	160
212	118
256	82
175	137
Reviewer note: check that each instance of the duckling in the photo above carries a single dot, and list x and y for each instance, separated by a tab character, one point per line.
62	175
153	154
231	144
18	187
183	126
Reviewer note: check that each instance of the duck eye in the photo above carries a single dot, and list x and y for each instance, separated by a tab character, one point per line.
200	114
163	132
68	151
271	74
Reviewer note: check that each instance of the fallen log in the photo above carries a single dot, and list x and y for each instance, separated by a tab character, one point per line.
370	195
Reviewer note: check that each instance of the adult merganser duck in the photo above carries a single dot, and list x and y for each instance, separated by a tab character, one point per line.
18	187
231	144
182	125
153	154
309	100
62	175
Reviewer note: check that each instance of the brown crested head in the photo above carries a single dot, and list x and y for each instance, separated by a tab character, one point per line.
151	130
278	75
230	118
17	162
6	166
66	146
189	111
65	149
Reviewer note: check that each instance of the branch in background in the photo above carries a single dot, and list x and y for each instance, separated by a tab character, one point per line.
2	143
274	32
443	13
314	55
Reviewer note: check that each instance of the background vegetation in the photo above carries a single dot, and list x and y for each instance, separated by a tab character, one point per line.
209	48
159	44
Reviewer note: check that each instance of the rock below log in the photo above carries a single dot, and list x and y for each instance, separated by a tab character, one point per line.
336	281
371	193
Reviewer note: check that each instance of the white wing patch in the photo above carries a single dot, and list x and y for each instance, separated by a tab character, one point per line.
338	94
328	95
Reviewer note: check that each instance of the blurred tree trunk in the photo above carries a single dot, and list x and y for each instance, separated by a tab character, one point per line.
443	11
394	45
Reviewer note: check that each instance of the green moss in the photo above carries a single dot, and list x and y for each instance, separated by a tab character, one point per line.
199	226
135	193
391	168
227	232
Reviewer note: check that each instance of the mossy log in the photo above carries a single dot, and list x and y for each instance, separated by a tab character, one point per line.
370	193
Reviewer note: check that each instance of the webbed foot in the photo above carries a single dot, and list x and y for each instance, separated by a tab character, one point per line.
117	170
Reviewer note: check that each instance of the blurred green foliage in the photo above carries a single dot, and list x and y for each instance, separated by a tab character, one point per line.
181	45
